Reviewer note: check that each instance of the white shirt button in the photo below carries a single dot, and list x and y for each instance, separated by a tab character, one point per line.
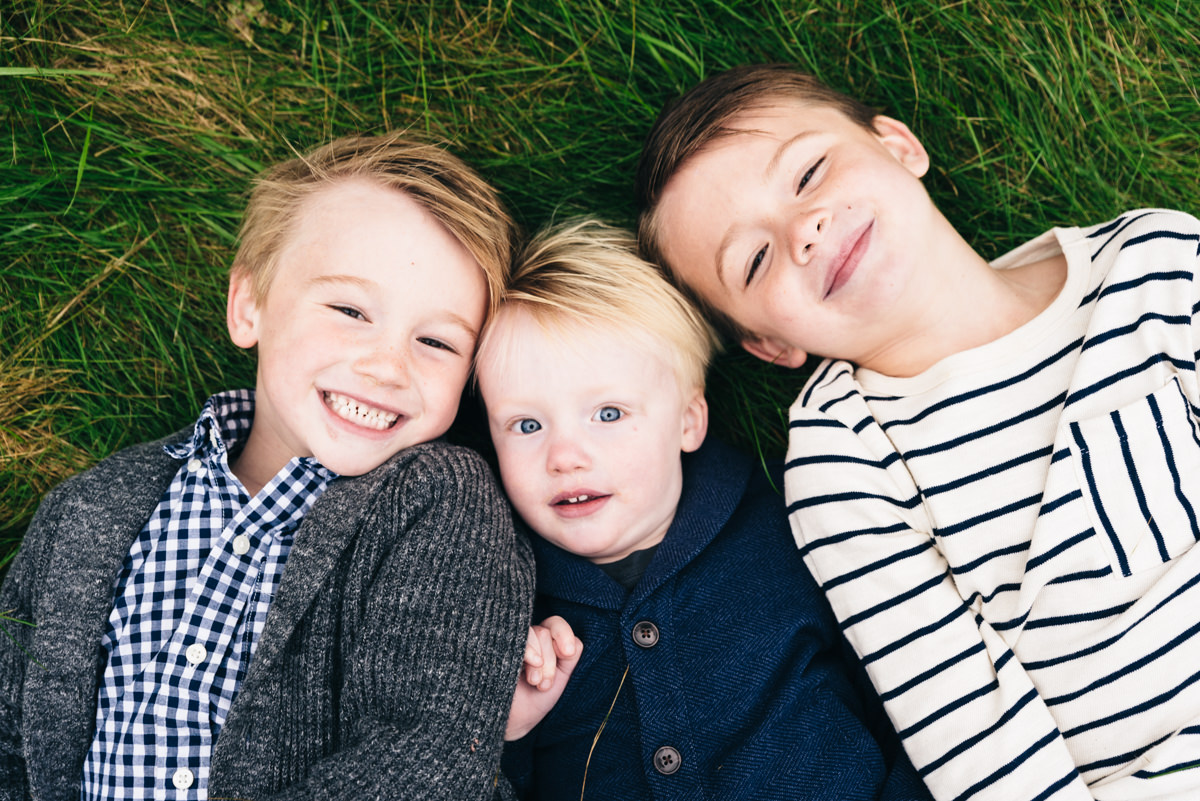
196	653
195	464
241	544
182	779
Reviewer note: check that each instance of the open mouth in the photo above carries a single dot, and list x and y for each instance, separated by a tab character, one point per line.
359	413
576	500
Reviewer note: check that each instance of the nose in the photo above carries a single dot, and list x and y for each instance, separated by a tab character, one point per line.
384	364
566	455
807	231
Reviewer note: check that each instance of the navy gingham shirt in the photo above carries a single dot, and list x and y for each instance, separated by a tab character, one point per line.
188	607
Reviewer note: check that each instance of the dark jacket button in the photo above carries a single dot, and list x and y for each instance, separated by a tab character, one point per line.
667	760
645	634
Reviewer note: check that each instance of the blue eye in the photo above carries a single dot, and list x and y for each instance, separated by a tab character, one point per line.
350	311
528	426
436	344
609	414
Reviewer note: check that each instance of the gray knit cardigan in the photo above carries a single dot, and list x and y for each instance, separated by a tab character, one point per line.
387	665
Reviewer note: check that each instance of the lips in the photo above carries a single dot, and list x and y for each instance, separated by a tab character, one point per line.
578	502
360	412
847	259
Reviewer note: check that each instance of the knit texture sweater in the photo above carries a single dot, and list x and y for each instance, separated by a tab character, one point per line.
387	664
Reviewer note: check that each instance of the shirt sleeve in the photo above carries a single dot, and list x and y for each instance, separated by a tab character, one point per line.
968	715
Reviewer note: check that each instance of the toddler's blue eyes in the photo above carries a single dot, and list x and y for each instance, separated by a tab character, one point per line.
609	414
528	426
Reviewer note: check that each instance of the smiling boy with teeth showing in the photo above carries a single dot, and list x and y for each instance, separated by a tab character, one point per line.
666	555
178	657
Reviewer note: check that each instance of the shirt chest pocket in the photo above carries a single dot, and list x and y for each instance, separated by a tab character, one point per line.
1139	471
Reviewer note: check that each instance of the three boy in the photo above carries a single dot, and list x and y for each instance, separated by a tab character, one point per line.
709	663
994	482
301	595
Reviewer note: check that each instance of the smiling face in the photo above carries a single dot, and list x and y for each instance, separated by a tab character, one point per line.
365	336
801	229
588	425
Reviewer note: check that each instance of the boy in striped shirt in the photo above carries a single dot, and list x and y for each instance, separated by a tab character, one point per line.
993	474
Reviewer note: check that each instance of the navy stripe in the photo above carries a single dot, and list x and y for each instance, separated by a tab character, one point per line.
818	379
1081	617
987	598
1125	670
957	703
1118	225
1015	506
1017	761
809	547
975	739
1080	394
1060	455
827	405
1146	278
1082	575
1122	759
820	423
893	602
1170	460
1041	559
908	639
805	461
840	497
994	470
890	560
1057	502
925	676
1157	700
1131	470
965	396
1020	547
1099	339
1086	463
1100	646
1053	403
1006	625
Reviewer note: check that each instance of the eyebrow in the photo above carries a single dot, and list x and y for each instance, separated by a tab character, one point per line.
772	166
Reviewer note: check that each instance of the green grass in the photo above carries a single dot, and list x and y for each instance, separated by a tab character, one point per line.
132	130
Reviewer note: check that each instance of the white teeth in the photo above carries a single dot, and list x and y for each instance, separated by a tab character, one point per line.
579	499
360	413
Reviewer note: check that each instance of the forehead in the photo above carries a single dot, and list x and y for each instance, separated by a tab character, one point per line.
569	350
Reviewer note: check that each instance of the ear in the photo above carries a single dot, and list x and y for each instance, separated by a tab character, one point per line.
695	422
774	352
903	144
241	311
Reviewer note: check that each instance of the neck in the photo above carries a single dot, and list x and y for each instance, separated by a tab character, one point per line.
970	307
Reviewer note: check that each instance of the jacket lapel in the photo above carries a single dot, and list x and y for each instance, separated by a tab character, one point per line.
103	515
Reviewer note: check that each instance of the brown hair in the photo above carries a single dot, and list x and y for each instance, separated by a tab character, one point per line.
439	181
584	272
703	115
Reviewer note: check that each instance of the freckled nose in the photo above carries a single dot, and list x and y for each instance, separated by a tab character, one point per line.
383	365
806	234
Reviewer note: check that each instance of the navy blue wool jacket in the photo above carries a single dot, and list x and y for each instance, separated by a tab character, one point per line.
736	687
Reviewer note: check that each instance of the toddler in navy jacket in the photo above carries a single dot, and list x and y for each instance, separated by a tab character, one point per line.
712	664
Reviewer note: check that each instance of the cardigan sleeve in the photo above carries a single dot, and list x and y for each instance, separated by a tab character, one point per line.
967	713
430	677
17	604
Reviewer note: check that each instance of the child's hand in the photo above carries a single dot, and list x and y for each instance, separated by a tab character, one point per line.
551	653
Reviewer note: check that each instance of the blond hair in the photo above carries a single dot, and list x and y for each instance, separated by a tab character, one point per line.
584	272
704	115
437	180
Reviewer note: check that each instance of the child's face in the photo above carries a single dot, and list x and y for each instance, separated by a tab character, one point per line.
366	335
801	229
588	428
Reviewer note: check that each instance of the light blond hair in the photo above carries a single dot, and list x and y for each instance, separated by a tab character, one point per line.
437	180
586	273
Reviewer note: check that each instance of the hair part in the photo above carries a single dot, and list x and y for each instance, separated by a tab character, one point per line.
704	114
584	272
440	182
